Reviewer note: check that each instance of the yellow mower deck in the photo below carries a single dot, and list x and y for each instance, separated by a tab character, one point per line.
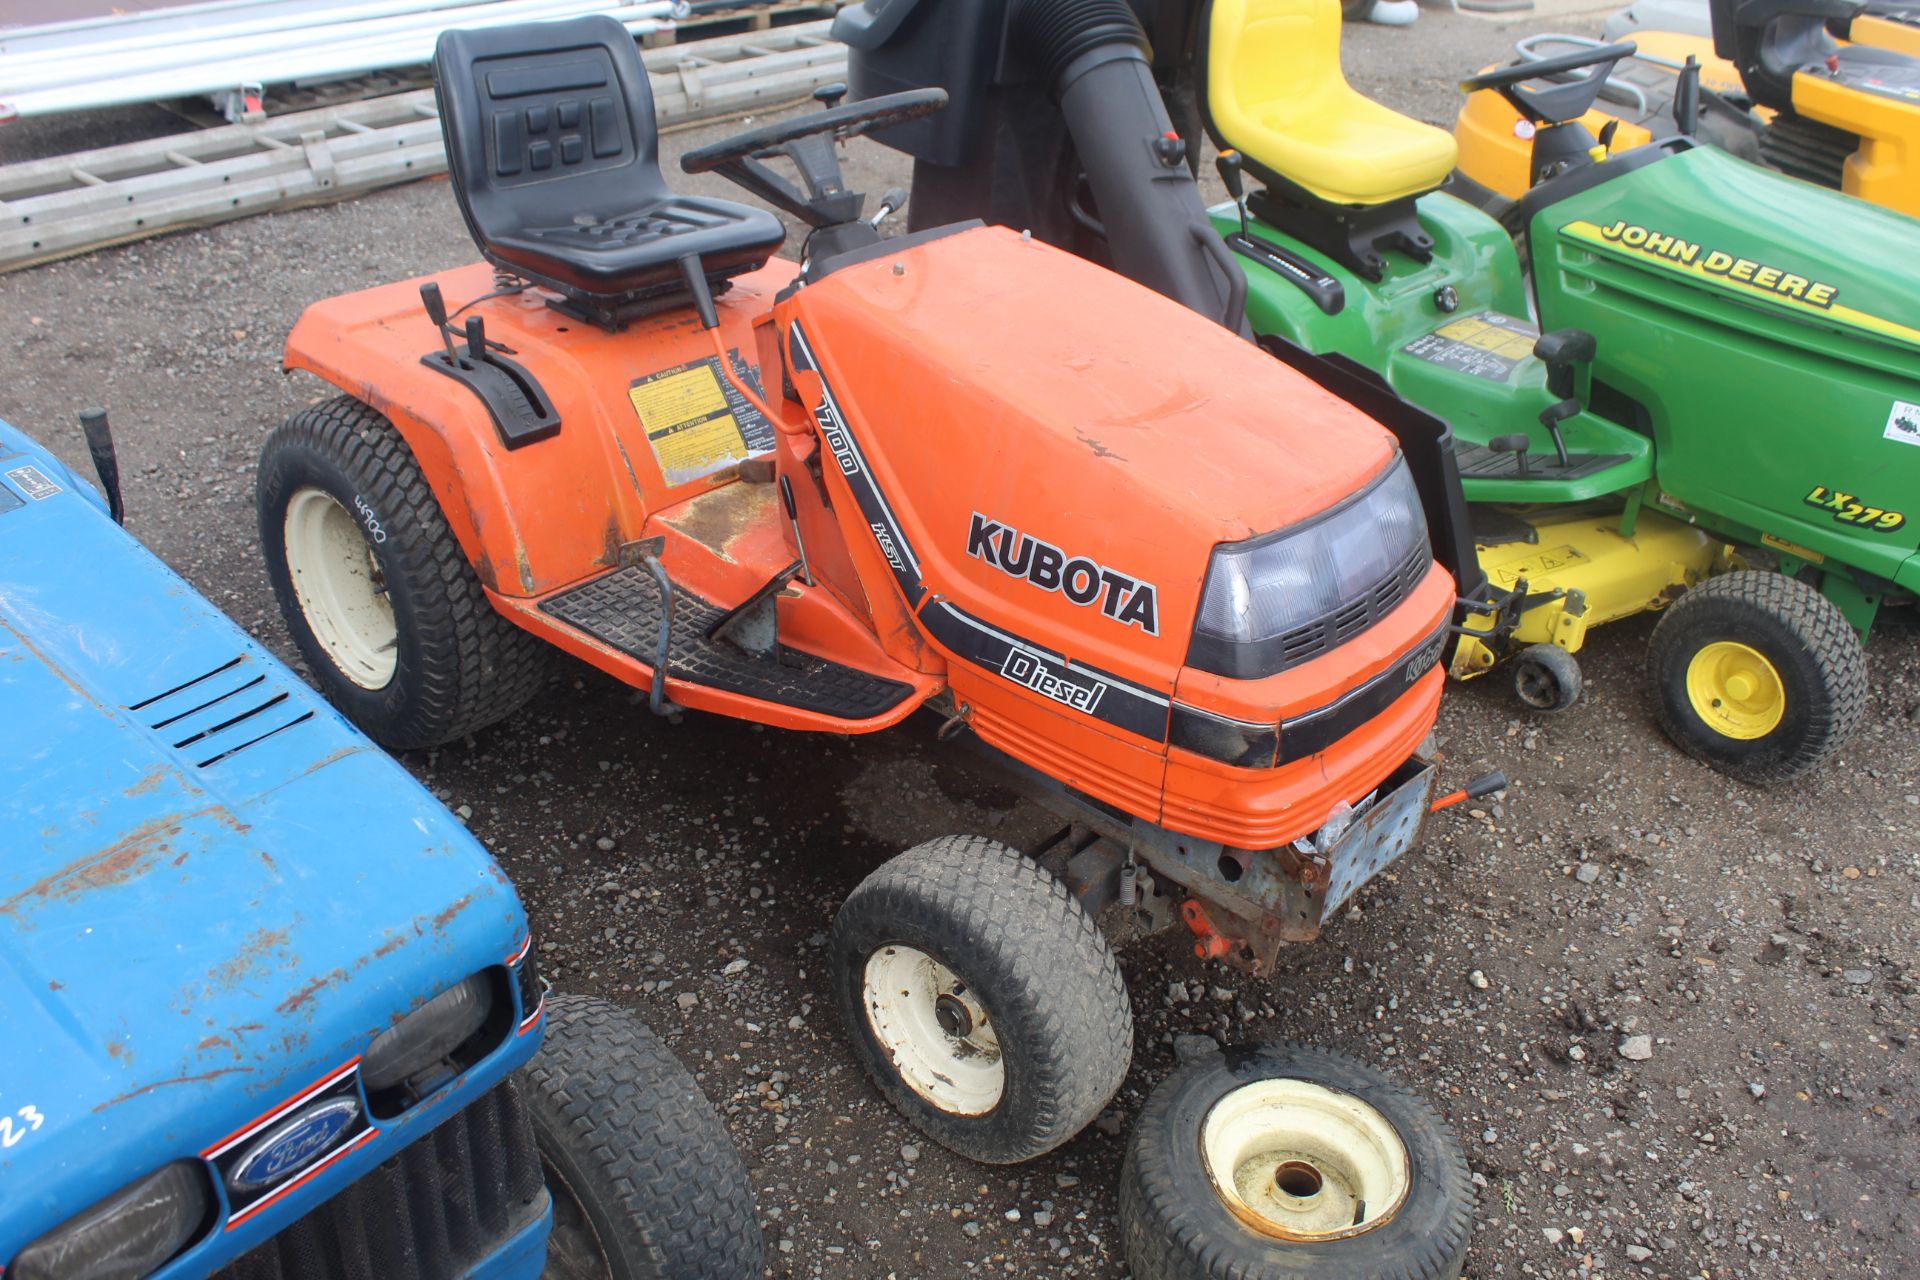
1590	573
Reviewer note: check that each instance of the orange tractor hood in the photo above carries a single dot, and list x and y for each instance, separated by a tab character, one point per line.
1009	391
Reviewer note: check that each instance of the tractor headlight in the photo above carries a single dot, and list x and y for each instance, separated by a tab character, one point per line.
130	1234
427	1036
1275	601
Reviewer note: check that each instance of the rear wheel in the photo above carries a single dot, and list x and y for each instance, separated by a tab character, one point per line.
1758	675
1283	1162
645	1183
981	998
378	594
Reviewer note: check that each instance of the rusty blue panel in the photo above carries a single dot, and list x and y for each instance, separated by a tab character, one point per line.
214	892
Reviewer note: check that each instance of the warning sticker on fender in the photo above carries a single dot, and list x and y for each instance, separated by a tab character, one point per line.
1903	424
696	422
1488	345
33	482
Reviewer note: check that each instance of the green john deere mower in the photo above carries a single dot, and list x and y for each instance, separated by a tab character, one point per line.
1675	380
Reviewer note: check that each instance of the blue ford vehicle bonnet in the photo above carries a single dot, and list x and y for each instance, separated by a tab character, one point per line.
245	959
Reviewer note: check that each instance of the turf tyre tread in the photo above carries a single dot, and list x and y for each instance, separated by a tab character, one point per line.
1172	1226
1049	982
633	1134
1810	642
461	665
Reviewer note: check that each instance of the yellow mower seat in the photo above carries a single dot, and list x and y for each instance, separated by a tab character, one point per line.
1276	94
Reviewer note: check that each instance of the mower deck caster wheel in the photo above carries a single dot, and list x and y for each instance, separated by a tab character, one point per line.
981	998
1283	1162
1547	678
646	1185
382	603
1758	675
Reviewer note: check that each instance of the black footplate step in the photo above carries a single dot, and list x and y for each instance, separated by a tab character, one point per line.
1477	462
622	610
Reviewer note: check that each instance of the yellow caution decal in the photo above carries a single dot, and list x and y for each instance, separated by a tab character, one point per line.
1745	276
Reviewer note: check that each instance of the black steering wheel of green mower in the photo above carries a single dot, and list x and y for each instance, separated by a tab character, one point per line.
808	141
1554	103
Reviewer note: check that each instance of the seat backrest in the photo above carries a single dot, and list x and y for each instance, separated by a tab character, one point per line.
1270	61
545	121
1769	40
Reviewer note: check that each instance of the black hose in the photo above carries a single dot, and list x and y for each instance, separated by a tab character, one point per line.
1055	33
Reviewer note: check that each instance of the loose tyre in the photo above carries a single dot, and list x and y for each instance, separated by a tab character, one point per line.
1283	1162
981	998
645	1182
1758	675
1547	678
380	598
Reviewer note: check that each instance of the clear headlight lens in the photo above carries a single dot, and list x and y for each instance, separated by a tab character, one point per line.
1281	598
427	1035
128	1235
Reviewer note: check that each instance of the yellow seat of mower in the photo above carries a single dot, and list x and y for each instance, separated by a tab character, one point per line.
1276	93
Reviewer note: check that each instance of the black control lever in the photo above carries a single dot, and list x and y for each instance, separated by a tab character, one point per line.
1517	443
1561	351
891	203
106	464
1229	165
1686	97
436	306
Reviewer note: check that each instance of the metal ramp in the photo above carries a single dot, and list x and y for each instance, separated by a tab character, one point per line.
71	204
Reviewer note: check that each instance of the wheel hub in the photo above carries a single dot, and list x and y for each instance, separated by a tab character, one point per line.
953	1017
933	1028
340	588
1735	690
1298	1161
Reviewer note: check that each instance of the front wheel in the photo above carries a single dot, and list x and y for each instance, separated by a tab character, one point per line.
981	998
379	596
645	1183
1287	1162
1758	675
1547	678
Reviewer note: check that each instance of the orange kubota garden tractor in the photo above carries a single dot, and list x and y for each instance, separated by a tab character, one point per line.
1183	593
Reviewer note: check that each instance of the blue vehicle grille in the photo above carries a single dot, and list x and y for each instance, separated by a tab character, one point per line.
429	1213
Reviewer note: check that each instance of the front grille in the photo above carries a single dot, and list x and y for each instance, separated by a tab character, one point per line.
1342	625
429	1213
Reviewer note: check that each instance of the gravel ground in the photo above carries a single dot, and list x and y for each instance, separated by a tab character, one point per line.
1670	1017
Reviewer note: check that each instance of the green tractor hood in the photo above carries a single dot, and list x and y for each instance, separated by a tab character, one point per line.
1796	311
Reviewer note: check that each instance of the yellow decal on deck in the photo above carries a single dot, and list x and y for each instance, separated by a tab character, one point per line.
1537	563
1746	276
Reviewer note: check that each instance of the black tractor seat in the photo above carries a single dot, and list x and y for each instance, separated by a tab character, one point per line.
554	156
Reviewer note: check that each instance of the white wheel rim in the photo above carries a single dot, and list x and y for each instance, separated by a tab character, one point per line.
935	1030
1298	1161
341	590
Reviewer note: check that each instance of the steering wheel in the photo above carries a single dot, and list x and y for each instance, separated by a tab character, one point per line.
849	121
808	142
1554	103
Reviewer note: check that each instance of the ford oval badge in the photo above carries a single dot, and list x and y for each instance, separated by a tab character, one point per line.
293	1144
